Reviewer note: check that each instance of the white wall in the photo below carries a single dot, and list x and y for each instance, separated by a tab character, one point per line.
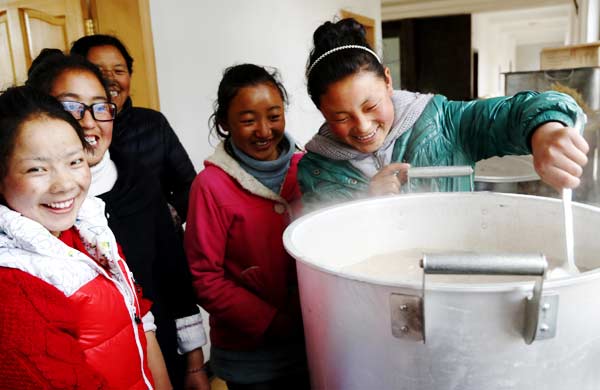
528	55
497	36
584	22
195	41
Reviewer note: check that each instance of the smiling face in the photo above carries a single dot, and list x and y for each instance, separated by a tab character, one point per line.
47	177
84	87
359	110
113	66
256	121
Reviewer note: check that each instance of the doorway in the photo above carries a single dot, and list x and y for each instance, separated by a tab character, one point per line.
431	55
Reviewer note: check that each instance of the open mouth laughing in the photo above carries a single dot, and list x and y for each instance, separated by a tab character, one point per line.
92	140
367	138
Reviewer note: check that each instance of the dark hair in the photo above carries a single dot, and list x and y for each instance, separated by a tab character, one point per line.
19	105
44	55
235	78
84	44
340	64
44	72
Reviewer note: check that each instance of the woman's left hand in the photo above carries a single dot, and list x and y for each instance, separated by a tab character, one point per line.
196	381
559	154
195	375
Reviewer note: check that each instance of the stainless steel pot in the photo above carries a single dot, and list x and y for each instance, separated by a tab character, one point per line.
362	330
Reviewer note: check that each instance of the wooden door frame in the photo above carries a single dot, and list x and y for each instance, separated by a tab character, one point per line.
148	42
367	22
135	15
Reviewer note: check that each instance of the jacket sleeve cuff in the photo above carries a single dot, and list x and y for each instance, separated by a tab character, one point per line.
148	322
190	333
551	116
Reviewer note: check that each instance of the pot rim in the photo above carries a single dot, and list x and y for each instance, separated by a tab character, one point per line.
294	251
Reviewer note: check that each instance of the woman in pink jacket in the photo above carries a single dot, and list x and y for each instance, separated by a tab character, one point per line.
240	205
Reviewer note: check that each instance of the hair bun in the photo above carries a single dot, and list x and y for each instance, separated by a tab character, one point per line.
44	55
353	28
344	32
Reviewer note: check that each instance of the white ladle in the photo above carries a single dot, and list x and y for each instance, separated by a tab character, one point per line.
568	267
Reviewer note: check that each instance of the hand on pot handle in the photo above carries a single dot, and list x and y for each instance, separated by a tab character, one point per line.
559	154
389	179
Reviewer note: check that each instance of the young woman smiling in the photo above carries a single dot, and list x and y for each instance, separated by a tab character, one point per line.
240	205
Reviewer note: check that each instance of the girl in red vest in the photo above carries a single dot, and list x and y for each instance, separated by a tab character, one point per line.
70	316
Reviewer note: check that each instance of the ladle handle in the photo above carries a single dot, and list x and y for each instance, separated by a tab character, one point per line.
485	264
441	171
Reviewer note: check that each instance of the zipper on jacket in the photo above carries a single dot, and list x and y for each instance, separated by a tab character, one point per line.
135	319
378	161
132	307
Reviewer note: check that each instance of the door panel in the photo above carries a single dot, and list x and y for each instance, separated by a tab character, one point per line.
41	30
7	69
28	26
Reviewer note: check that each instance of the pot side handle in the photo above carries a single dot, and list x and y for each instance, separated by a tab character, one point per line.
408	312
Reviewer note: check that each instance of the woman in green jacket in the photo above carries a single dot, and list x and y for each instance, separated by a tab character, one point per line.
372	133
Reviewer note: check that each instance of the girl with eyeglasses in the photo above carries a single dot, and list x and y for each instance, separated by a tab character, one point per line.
240	205
141	133
70	312
139	216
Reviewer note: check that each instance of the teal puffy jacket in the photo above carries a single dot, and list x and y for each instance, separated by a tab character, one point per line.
447	133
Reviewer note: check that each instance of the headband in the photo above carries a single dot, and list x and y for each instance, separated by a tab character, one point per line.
338	49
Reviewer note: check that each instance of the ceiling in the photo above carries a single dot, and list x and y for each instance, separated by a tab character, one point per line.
402	9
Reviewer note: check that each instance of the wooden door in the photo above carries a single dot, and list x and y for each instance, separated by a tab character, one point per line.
28	26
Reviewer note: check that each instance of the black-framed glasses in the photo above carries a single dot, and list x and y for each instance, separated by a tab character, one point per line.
102	112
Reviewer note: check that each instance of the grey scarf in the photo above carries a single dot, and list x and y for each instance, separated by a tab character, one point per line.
408	106
270	173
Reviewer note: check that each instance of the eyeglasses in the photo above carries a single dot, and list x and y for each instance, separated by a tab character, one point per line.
102	112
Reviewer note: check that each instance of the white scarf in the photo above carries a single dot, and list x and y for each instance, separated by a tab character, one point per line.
28	246
104	176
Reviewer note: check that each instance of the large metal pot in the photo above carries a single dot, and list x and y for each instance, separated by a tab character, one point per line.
365	331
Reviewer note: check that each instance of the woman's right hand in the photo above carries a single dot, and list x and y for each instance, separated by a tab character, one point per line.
389	179
559	154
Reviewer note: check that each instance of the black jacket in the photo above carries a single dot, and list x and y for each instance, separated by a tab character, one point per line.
140	219
146	136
